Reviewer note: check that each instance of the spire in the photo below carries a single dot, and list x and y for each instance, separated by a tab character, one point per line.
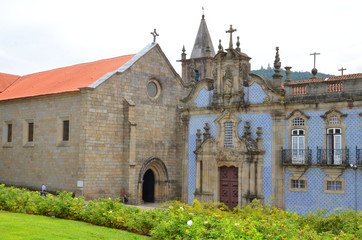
202	42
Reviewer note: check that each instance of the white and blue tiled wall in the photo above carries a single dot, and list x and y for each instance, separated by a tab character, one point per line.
315	198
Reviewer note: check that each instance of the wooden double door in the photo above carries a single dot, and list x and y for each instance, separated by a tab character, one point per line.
229	186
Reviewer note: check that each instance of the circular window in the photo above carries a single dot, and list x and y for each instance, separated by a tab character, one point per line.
153	89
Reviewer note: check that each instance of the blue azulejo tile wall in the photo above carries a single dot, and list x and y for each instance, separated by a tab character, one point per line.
194	124
204	98
316	198
254	94
255	120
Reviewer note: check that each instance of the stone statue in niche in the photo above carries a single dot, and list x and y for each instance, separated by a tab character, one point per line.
228	81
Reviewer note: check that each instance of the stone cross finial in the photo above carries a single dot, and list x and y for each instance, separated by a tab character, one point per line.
314	70
231	30
342	69
315	54
154	34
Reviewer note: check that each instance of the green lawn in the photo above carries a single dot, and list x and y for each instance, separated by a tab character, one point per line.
23	226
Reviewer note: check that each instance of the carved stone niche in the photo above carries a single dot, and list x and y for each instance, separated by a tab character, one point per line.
230	151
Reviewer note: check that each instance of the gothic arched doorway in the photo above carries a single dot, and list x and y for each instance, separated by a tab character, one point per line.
148	186
153	182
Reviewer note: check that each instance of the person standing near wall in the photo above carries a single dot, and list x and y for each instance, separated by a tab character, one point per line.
43	189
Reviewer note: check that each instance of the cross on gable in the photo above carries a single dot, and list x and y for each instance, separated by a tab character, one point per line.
231	30
342	69
154	34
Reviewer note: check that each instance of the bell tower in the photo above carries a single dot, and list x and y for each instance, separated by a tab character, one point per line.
200	64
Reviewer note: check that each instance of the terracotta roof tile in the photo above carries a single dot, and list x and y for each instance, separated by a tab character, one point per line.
66	79
329	79
6	80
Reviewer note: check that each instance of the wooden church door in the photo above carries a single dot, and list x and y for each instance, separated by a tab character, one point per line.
229	186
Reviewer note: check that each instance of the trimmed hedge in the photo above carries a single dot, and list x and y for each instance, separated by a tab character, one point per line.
176	220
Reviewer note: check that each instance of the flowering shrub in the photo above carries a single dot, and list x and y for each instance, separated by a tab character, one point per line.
175	220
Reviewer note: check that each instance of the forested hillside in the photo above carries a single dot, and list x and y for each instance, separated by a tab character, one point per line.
295	76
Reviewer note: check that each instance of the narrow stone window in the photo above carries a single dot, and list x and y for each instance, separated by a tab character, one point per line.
66	130
30	132
228	138
10	133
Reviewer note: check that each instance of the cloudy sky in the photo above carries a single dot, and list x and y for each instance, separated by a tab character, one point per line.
38	35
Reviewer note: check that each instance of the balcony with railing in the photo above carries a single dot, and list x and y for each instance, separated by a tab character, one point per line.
358	156
332	157
297	156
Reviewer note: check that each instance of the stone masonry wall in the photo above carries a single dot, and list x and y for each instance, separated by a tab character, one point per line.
106	123
45	160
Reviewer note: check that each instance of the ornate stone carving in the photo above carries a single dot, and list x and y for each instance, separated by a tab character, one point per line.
244	74
228	81
228	154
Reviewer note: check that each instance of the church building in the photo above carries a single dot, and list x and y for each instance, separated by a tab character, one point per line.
218	133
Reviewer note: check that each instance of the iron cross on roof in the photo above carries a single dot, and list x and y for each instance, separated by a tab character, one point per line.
231	30
315	54
154	34
342	69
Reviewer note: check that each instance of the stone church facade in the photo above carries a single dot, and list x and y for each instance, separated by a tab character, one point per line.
218	133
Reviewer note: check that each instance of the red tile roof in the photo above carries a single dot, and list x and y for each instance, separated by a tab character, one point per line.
6	80
329	79
66	79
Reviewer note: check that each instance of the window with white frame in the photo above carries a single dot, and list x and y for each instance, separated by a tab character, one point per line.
334	146
228	136
298	146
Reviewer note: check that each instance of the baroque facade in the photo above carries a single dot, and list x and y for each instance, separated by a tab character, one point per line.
220	133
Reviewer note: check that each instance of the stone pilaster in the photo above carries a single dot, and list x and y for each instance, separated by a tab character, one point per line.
277	182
